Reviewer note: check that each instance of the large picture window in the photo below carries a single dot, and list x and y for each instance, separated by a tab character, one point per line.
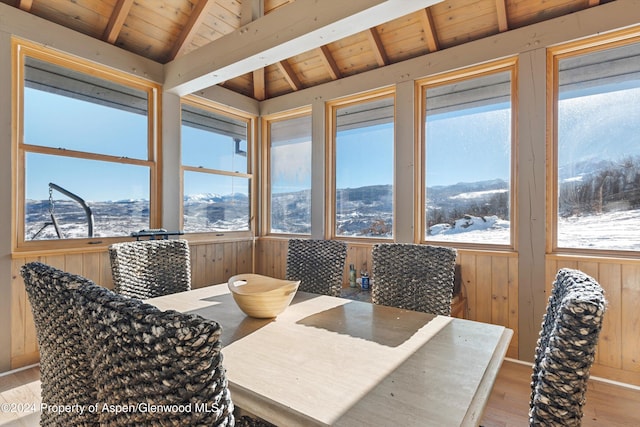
289	173
86	143
216	169
468	157
364	166
597	150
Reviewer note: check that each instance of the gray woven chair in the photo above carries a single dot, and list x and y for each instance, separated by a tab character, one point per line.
150	268
65	369
318	264
413	277
101	348
145	356
566	349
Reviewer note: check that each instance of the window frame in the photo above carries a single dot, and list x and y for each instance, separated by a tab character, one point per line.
422	85
330	163
554	55
265	223
20	50
251	122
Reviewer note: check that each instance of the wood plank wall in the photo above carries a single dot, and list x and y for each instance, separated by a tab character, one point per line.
210	263
490	284
618	353
489	280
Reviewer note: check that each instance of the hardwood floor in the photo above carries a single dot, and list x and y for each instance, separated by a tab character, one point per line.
607	404
21	392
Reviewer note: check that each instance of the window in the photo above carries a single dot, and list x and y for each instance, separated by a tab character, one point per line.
468	156
289	173
363	145
86	145
597	150
216	169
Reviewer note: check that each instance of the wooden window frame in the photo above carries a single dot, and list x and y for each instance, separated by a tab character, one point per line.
20	50
554	55
503	65
265	182
251	122
330	162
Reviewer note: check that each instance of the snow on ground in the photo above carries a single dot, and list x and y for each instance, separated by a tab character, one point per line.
473	229
477	194
612	230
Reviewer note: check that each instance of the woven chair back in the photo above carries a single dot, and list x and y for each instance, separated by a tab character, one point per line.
66	376
318	264
109	352
566	349
150	268
413	277
142	355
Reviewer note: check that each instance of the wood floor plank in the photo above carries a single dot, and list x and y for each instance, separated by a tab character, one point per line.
608	404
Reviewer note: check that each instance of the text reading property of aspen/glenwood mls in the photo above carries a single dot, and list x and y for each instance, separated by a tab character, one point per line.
111	408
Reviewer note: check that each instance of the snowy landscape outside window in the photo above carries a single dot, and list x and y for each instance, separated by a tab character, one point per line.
215	161
364	168
86	134
598	149
290	175
468	132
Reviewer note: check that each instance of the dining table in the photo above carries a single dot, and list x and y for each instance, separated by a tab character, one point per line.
331	361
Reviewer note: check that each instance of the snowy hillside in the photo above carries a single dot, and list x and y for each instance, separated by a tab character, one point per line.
365	211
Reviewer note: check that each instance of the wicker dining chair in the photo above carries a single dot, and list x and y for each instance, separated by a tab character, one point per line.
566	349
65	367
142	355
413	277
101	348
318	264
150	268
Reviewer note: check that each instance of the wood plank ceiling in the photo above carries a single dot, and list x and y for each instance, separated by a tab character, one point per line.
163	30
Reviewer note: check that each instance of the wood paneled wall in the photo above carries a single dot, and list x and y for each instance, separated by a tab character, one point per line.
490	284
210	263
618	352
489	280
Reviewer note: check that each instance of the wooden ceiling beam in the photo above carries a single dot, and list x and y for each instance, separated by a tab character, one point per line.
116	21
250	11
259	87
288	31
289	75
330	63
188	32
501	10
429	30
378	47
25	5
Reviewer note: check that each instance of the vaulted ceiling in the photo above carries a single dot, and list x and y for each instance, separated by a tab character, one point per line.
165	30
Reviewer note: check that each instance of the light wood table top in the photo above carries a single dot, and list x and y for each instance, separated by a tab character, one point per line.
339	362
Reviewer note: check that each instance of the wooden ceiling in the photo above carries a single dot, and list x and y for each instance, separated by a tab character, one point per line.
163	30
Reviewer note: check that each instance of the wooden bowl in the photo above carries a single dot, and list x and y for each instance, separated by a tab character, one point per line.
260	296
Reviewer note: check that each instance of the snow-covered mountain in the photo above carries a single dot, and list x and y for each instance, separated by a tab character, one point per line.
476	211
